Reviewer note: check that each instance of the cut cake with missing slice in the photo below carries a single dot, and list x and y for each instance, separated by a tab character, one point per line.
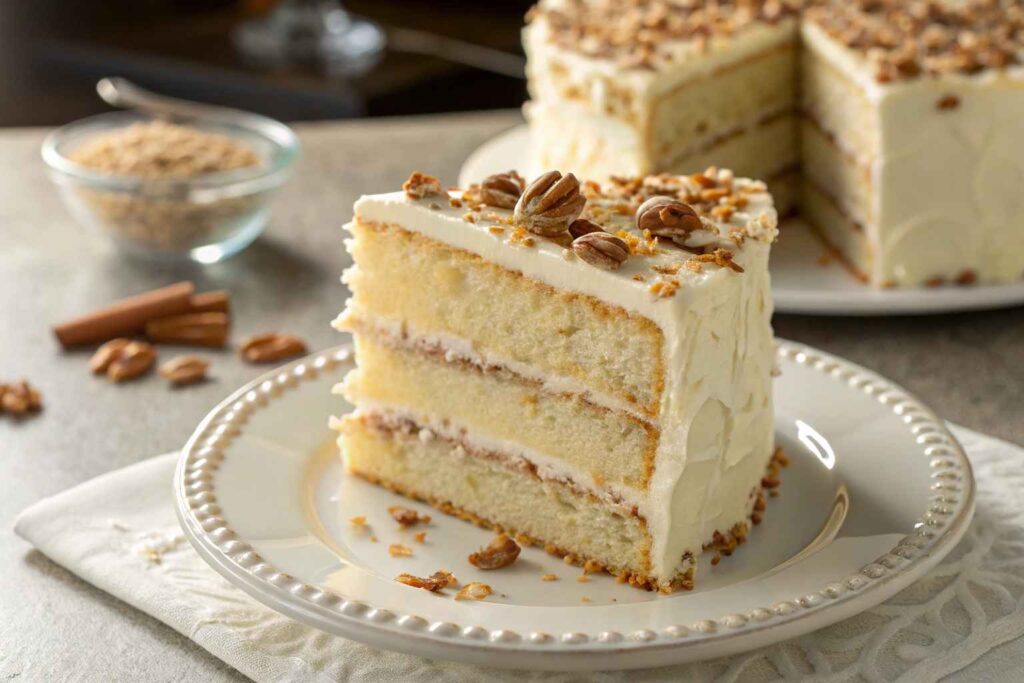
603	388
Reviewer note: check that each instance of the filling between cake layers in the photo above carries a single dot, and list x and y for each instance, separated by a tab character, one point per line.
658	406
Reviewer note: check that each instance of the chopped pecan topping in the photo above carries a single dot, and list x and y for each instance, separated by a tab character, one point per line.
420	185
502	189
474	591
271	347
135	360
601	249
184	370
399	550
721	258
667	217
549	204
581	227
437	581
501	552
19	398
407	516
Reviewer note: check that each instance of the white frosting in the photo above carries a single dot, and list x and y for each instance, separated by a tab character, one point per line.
948	184
718	352
685	60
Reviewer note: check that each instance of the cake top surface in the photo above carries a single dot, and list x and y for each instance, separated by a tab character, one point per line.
652	34
901	40
652	235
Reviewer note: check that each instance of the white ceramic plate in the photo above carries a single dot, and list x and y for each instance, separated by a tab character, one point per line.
876	493
800	283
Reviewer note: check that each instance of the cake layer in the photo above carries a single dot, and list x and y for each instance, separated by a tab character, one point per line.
734	98
557	430
840	102
491	490
845	238
836	172
435	289
502	491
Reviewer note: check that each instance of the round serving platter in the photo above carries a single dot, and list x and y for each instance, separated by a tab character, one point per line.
804	280
877	492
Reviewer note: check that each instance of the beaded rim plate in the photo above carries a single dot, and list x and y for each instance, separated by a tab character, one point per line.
876	493
802	281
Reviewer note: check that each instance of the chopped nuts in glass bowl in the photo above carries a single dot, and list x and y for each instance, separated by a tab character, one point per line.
190	190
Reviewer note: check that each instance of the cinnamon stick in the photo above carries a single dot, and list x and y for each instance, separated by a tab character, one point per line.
125	317
190	329
218	301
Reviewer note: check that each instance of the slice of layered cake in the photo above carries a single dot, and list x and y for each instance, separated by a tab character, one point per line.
632	88
588	367
913	138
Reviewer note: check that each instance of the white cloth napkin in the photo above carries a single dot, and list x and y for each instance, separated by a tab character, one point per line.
131	546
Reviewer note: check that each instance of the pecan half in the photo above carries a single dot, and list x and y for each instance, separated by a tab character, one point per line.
19	398
601	249
667	217
407	516
501	552
184	370
502	189
549	204
106	354
420	185
433	583
581	227
134	360
271	347
474	591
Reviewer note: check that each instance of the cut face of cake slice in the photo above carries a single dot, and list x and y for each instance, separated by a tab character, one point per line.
913	138
590	370
637	88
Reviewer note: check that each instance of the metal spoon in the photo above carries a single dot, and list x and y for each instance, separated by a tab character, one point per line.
122	93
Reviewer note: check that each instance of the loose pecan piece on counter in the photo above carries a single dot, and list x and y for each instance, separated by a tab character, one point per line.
184	370
549	204
123	359
106	354
502	189
601	249
501	552
19	398
271	347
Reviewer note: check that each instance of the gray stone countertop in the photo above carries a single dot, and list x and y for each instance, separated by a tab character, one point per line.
968	367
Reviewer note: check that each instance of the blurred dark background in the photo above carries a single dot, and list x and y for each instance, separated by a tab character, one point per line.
439	56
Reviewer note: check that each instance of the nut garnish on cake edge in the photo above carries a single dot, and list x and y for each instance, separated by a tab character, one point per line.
549	204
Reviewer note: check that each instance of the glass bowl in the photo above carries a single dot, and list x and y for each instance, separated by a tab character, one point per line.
204	218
